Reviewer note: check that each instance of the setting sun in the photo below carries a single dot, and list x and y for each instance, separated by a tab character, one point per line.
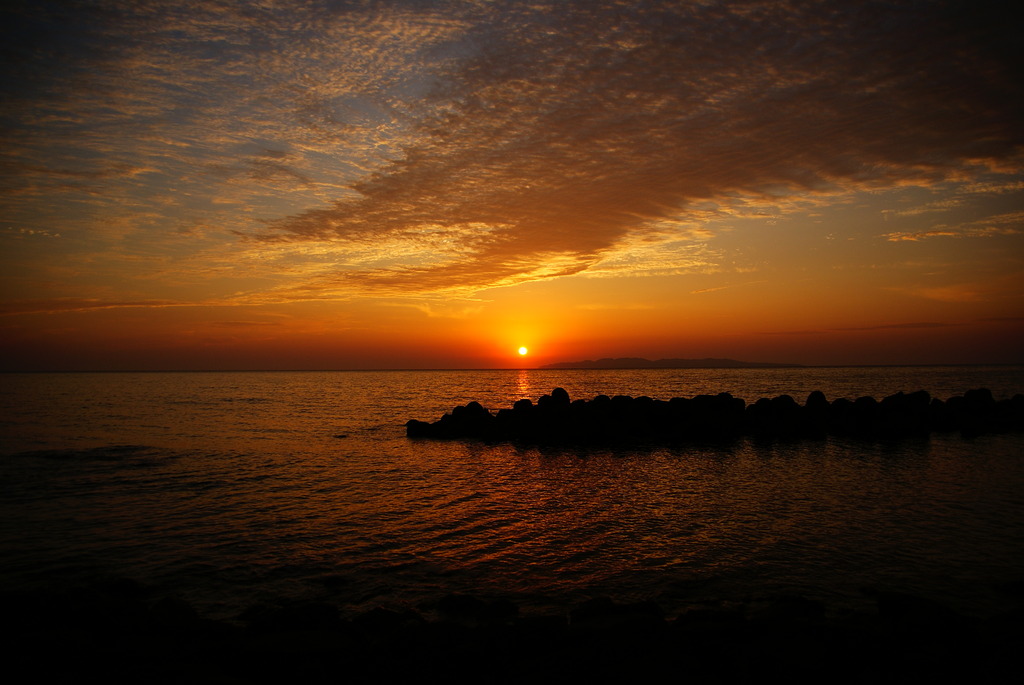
523	351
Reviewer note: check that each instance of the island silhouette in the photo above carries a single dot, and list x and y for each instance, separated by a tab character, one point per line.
641	363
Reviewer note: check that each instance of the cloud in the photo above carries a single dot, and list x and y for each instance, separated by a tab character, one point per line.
881	327
576	126
724	287
959	292
897	326
78	304
922	235
246	324
1011	223
788	333
601	307
30	232
454	146
447	309
175	104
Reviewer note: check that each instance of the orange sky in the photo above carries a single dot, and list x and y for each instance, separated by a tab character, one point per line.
397	184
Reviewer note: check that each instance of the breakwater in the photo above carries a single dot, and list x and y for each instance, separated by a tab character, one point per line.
556	417
121	632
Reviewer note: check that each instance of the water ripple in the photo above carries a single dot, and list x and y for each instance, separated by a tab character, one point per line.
227	502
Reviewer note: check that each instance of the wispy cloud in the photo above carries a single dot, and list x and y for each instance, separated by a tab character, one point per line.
701	291
882	327
449	147
29	232
1011	223
246	324
71	304
576	126
897	326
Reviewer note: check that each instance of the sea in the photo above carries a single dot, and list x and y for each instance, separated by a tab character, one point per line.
233	490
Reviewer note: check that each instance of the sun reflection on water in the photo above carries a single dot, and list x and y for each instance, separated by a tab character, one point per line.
522	380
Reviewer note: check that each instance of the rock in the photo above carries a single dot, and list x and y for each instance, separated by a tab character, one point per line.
627	419
605	612
560	397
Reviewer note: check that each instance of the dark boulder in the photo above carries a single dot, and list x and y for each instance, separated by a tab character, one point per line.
627	419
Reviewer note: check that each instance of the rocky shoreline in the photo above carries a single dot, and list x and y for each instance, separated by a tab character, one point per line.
619	419
118	632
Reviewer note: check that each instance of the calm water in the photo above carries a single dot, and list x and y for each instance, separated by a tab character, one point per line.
231	489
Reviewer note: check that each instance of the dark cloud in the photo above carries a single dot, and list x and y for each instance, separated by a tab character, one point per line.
571	125
266	169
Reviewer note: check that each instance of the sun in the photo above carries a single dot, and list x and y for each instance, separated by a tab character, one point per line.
523	351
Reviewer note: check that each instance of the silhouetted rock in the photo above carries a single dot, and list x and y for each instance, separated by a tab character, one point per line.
603	611
791	638
790	610
381	621
311	616
904	608
175	614
418	429
471	610
627	419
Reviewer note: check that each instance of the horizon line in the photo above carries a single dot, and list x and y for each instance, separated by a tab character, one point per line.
781	367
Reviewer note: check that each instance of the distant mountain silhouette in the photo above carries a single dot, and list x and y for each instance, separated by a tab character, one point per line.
639	363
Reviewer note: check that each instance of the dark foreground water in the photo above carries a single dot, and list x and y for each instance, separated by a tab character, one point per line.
236	489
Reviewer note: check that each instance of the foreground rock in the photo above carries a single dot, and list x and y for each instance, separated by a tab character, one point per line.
120	635
557	418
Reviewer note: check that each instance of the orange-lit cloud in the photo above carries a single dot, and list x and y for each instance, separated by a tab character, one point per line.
1004	224
923	324
76	305
573	129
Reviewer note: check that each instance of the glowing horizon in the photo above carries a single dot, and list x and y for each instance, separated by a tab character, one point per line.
400	185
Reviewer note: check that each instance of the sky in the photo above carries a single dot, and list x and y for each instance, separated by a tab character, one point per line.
412	184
